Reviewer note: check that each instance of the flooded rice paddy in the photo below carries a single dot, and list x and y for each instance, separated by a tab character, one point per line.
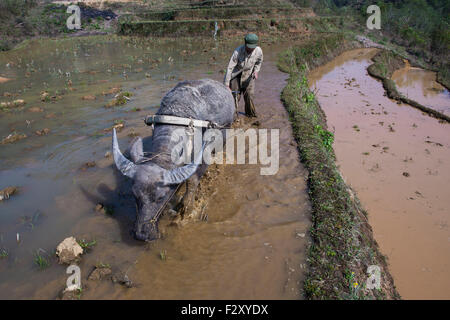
252	241
250	246
397	160
420	85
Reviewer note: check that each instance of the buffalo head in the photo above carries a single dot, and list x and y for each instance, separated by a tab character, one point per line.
152	188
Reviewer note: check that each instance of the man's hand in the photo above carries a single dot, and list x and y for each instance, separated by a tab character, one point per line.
256	75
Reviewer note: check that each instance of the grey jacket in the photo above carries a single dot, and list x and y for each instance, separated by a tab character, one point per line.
240	60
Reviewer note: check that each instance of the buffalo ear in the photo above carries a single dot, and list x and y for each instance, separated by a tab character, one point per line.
125	166
136	150
180	174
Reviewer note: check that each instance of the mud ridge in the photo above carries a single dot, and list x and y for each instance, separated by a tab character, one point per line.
343	245
385	63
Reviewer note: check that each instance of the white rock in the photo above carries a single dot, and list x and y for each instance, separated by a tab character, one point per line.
68	250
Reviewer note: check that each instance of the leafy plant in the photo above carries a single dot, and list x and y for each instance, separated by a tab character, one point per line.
103	265
326	136
3	253
41	260
86	245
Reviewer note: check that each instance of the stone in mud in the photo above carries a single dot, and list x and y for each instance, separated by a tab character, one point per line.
13	137
70	295
110	104
2	79
35	109
12	104
43	132
45	96
100	273
88	97
7	192
68	251
120	99
111	91
18	102
406	174
90	164
253	197
118	127
104	209
122	278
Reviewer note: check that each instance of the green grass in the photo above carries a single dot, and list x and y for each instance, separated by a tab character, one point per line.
87	245
103	265
78	293
342	240
41	260
3	253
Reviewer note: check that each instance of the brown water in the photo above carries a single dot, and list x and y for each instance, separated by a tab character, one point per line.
252	244
421	86
397	160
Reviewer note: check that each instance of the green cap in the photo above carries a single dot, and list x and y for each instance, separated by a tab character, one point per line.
251	40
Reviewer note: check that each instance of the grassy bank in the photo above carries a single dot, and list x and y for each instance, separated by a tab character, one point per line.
228	12
342	245
419	28
385	63
25	19
206	27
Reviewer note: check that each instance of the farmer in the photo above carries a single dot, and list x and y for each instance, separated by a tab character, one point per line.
242	72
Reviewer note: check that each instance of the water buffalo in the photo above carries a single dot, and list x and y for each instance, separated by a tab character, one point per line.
156	180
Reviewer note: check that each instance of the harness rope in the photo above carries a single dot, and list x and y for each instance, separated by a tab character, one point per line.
160	210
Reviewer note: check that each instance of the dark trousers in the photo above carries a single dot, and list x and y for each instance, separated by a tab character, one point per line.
248	89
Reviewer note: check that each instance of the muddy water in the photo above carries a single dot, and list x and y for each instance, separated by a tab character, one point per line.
252	244
396	158
421	86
